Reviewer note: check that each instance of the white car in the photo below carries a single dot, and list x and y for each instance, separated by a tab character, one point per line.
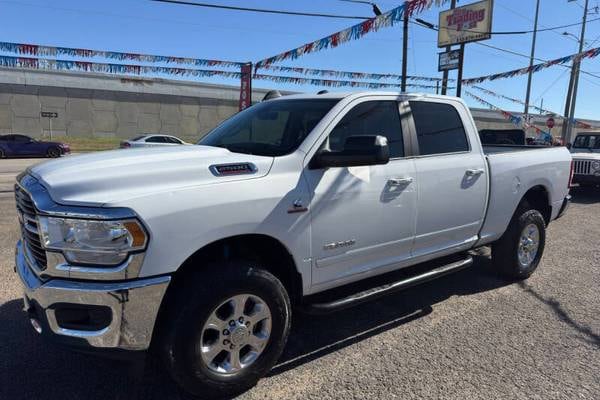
586	159
152	141
206	250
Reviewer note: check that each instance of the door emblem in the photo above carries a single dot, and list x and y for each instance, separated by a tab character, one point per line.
336	245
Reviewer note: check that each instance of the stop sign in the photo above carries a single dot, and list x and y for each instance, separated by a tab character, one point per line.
550	122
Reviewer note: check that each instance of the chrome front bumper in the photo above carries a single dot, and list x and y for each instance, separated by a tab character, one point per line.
133	305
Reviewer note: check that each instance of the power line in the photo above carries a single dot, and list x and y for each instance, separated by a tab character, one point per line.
432	27
260	10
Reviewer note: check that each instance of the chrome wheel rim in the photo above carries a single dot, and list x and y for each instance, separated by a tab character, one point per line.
529	244
235	334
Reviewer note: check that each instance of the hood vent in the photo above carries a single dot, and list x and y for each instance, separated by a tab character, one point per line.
232	169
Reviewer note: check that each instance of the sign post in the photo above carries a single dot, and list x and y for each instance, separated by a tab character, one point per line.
50	115
246	86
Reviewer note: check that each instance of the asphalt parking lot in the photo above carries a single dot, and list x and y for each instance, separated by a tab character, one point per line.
470	335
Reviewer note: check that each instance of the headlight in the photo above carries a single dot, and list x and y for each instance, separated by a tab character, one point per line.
90	241
596	165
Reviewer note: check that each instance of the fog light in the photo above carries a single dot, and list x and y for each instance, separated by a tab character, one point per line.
36	325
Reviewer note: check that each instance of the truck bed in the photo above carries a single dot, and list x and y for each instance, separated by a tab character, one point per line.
515	169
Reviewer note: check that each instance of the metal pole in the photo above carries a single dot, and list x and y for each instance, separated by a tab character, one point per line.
50	119
404	51
577	66
461	62
530	75
448	48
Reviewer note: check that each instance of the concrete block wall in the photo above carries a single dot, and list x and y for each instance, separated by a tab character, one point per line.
107	106
96	105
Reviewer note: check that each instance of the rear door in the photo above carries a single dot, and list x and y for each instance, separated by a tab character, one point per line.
452	177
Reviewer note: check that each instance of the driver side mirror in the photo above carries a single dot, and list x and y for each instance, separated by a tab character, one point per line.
358	151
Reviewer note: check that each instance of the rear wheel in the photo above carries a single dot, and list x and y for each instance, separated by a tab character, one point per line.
53	152
519	251
225	329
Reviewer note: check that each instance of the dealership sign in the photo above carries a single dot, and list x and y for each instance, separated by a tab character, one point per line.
469	23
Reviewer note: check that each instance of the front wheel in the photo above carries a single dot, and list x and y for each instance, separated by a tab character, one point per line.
519	251
53	152
227	328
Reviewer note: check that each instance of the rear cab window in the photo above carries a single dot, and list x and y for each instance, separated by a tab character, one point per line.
439	128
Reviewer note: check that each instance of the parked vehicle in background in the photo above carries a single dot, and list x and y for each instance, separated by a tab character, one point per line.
152	141
204	250
502	136
15	145
586	159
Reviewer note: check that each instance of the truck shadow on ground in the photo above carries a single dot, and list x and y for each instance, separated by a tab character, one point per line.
32	368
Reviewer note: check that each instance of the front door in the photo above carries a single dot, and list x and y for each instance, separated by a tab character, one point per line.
362	218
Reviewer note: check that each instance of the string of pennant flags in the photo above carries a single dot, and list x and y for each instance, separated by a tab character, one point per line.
348	74
591	53
577	123
387	19
515	119
131	69
335	83
55	52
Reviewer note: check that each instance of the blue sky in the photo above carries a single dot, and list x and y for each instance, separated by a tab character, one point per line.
143	26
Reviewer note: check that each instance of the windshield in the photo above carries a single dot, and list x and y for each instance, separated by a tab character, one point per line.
587	142
271	128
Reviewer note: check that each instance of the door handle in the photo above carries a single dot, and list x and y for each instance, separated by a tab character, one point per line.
400	181
475	172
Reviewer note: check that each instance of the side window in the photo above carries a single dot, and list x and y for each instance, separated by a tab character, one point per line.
156	139
370	118
439	128
7	138
21	139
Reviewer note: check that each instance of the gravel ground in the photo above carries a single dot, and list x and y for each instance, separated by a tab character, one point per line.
468	335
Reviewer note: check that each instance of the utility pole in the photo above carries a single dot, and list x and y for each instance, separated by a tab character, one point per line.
461	63
448	48
535	27
404	51
573	84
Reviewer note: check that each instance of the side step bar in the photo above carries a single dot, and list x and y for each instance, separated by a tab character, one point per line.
373	293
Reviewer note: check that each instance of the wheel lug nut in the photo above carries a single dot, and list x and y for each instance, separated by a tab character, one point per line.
226	342
247	323
225	332
231	347
231	323
241	319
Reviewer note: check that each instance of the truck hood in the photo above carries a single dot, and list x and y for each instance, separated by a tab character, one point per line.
113	176
585	155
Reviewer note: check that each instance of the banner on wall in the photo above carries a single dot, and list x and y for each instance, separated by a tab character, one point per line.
470	23
246	86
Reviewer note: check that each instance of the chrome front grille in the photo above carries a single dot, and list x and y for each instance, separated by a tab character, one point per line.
582	167
29	227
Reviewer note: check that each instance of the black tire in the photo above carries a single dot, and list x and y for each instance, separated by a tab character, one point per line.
505	252
2	153
53	152
189	310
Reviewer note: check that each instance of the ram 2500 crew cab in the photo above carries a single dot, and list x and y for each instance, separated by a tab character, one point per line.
203	250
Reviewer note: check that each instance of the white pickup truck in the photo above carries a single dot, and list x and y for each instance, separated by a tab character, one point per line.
203	251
